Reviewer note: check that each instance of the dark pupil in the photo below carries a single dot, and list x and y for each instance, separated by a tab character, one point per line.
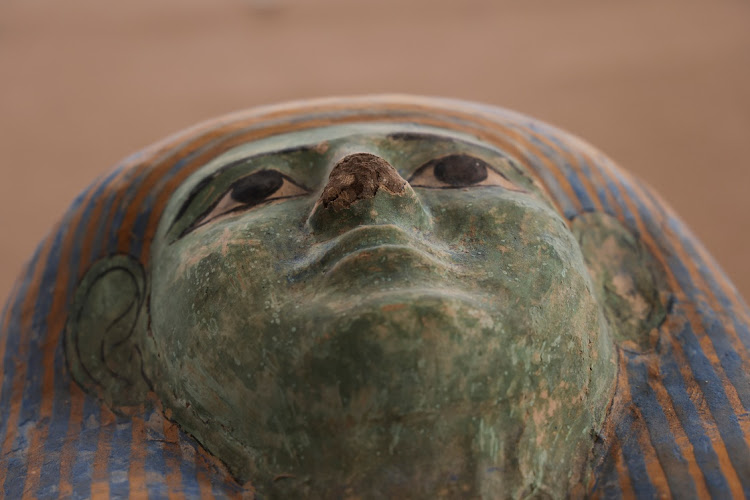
255	188
460	170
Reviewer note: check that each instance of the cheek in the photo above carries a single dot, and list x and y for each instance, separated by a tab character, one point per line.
507	242
208	321
207	290
518	251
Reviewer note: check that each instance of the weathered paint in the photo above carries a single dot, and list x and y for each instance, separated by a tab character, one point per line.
345	345
678	423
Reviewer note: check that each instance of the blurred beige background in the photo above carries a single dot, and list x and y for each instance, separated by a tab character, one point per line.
663	88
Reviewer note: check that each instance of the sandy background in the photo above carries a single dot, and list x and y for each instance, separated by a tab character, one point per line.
664	89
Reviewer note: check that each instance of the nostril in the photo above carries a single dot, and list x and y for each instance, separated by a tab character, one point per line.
359	176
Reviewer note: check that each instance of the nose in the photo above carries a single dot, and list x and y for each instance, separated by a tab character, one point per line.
364	189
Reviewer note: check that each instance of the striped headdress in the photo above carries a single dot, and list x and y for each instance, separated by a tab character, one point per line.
679	425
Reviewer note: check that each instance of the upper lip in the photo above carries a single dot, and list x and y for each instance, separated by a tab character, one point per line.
329	253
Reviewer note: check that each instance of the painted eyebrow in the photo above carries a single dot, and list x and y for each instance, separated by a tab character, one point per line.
416	136
207	180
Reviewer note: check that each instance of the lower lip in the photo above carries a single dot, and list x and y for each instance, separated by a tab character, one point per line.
386	265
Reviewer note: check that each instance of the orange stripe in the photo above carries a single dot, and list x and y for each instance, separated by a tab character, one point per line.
136	474
204	483
173	477
90	236
133	169
600	181
691	385
4	332
626	486
597	176
675	427
576	166
25	332
653	467
9	308
233	493
68	453
601	170
618	406
99	476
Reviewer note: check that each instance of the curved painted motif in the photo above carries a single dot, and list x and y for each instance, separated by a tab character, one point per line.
679	424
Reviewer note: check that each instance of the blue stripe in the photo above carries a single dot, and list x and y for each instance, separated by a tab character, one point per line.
85	448
726	420
122	208
690	419
601	190
119	457
14	483
7	308
607	482
189	469
670	457
563	165
136	243
617	195
633	455
550	182
155	464
567	170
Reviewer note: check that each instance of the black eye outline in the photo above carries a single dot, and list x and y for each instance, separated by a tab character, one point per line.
247	192
457	171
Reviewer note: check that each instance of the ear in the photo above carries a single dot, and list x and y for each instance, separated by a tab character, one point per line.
106	329
629	282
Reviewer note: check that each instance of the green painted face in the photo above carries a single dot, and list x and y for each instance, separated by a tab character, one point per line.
433	335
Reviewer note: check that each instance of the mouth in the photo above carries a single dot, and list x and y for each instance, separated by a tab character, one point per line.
370	251
387	266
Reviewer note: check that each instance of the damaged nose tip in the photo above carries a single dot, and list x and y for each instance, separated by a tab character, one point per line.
359	176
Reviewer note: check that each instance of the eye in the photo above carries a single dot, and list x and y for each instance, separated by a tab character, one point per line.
250	191
459	171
